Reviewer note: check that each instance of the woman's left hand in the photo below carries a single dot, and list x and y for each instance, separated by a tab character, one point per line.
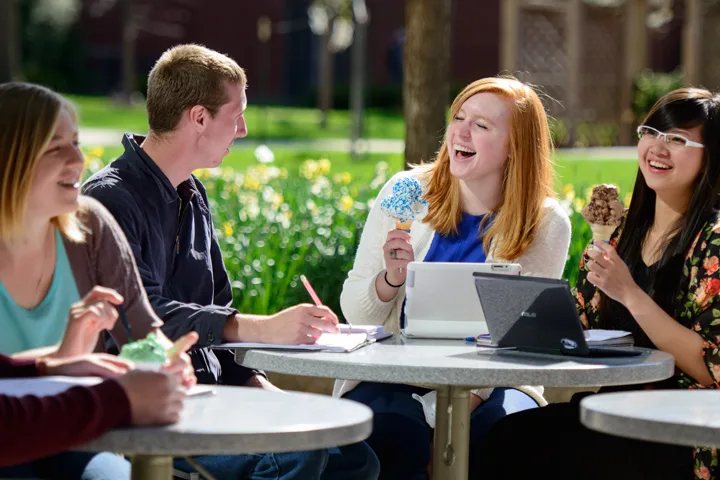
610	274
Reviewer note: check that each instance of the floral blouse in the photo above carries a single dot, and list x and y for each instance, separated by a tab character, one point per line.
699	310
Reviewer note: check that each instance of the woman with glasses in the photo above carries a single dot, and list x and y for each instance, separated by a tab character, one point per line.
659	279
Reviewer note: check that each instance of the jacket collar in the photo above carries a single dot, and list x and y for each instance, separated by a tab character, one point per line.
169	194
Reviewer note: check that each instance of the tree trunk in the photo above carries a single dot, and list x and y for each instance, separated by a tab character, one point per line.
357	78
9	41
326	76
129	40
426	72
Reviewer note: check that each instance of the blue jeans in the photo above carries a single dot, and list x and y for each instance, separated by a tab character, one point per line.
401	438
72	465
351	462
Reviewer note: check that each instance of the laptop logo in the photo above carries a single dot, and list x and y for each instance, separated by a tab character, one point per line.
568	344
528	314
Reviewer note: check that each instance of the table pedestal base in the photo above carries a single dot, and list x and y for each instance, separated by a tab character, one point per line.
149	467
452	434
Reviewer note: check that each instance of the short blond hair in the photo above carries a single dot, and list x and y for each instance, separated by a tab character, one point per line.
185	76
527	180
28	119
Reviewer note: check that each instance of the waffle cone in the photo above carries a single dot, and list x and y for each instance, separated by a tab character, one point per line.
404	225
602	233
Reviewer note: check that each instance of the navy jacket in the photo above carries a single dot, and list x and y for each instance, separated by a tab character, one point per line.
177	253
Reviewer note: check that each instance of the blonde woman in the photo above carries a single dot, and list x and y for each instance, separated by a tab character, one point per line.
490	194
58	251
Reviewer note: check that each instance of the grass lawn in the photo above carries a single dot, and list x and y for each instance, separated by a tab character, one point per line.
263	122
580	172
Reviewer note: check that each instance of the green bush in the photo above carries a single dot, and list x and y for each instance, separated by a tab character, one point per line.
649	86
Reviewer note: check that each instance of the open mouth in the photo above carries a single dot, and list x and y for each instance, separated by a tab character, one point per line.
657	166
463	152
72	182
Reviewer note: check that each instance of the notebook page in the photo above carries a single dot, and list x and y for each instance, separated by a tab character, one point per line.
334	342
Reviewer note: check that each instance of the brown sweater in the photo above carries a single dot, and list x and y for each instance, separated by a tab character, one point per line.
105	259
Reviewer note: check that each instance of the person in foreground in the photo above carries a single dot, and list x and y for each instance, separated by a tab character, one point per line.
196	101
490	200
657	278
37	429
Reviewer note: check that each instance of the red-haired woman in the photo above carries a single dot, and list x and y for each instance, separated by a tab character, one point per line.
490	195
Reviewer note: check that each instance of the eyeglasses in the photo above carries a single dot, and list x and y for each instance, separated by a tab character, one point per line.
672	139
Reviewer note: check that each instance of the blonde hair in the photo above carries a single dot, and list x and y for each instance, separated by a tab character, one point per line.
28	120
185	76
527	180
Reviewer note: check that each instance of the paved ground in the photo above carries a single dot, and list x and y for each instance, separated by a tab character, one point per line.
108	137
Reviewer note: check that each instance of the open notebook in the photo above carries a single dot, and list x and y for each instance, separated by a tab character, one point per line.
347	340
599	337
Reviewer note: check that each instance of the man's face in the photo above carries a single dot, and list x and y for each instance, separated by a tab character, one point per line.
227	125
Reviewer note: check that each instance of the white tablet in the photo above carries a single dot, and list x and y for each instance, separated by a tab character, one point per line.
441	299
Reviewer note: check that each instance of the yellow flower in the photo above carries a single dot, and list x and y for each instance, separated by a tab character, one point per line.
578	204
627	199
251	183
342	178
309	169
97	151
227	229
345	203
202	174
568	189
323	166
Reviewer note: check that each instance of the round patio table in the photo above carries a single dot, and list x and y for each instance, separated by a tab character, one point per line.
455	367
677	417
239	420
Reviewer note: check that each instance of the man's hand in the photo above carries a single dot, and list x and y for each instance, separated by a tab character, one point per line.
88	317
93	365
298	325
258	381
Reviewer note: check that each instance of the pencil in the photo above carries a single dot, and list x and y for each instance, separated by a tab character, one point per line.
314	295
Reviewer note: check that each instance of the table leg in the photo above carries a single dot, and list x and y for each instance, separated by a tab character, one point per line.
452	434
150	467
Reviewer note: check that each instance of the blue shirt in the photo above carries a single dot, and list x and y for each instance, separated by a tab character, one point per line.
43	325
466	246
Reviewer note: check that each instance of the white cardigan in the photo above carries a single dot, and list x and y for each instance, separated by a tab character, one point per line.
359	301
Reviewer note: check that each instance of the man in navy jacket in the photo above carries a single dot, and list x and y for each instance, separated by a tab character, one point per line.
195	102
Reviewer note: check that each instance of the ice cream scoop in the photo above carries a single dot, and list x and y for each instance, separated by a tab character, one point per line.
405	203
604	211
147	354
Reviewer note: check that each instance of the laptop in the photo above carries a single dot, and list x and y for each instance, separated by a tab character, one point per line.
535	314
441	301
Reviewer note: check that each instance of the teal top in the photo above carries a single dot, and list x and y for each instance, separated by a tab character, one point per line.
44	325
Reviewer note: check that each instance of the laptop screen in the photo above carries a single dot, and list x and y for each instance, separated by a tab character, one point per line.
530	313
